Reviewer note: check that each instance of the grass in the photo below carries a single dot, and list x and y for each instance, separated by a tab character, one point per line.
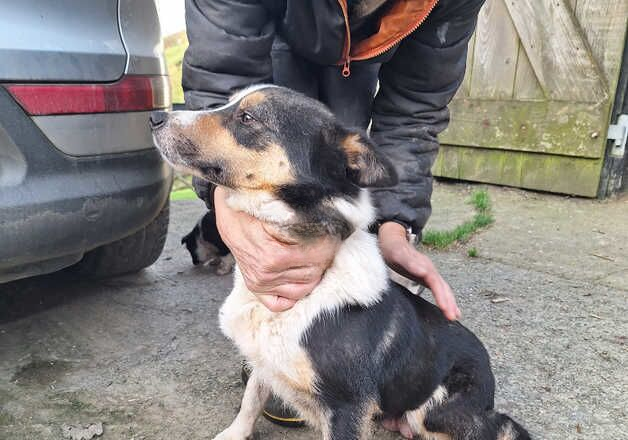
174	47
183	194
482	218
472	252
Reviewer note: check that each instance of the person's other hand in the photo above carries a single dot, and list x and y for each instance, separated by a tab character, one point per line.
278	271
402	257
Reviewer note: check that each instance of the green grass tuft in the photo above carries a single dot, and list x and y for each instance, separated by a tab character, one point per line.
183	194
482	218
472	252
480	200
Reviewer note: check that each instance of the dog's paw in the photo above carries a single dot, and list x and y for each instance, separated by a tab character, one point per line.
231	434
225	265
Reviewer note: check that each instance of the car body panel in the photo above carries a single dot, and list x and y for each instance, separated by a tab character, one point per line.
66	205
61	41
71	183
99	133
142	38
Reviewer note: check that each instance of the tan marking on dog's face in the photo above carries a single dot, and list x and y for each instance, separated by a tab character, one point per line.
253	99
265	168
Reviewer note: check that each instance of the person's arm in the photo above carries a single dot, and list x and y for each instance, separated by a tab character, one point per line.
230	43
410	109
409	112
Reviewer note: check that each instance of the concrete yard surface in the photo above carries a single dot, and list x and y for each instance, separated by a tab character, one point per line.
143	356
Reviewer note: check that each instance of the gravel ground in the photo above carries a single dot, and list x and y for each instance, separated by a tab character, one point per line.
143	355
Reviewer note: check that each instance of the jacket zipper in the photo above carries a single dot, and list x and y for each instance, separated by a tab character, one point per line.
346	50
372	53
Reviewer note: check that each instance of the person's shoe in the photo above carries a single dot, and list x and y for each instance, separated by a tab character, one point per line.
275	409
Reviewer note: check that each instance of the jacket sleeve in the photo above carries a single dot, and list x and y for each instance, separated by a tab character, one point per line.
410	109
230	44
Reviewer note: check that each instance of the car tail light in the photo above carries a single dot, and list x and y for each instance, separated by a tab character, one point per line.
131	93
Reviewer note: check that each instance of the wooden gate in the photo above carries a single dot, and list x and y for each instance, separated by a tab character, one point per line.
534	109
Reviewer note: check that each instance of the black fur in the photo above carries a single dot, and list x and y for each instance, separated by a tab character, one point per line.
207	230
425	351
190	241
353	362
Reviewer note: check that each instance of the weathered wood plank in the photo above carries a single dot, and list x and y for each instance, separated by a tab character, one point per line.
527	85
604	25
561	174
557	50
494	61
555	127
465	88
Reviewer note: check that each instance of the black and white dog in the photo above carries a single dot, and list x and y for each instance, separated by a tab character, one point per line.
358	346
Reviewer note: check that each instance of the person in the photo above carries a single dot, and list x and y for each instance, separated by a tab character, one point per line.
390	66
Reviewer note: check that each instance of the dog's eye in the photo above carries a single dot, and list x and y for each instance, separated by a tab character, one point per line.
246	118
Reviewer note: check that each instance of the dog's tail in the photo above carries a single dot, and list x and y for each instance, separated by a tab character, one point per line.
507	428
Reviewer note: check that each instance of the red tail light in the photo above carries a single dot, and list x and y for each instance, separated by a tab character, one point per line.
131	93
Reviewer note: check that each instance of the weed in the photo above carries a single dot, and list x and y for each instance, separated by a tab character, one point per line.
77	405
482	218
472	252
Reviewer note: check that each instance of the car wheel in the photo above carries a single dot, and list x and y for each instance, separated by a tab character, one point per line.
129	254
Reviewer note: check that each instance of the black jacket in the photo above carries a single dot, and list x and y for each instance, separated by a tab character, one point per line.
230	48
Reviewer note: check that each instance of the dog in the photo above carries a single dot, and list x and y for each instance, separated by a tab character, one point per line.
205	246
358	347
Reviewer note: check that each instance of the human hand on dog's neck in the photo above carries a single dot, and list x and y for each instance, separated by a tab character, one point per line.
279	270
402	257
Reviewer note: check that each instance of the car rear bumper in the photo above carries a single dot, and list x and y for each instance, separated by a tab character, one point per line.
55	207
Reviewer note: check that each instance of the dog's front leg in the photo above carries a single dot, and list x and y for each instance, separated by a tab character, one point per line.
255	396
347	423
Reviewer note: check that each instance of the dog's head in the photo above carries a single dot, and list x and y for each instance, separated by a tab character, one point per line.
275	140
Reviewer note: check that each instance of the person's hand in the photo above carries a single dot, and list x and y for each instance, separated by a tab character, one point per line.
278	271
402	257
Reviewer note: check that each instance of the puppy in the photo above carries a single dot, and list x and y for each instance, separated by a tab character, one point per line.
358	346
206	247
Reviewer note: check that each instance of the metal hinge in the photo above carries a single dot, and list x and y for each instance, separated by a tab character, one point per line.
619	133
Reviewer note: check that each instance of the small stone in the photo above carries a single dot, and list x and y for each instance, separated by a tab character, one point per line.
82	433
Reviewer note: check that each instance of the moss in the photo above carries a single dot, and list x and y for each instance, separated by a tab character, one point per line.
6	419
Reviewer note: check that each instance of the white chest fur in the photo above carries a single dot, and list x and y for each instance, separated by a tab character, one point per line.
271	342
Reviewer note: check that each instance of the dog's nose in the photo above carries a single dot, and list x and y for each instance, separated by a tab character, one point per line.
157	119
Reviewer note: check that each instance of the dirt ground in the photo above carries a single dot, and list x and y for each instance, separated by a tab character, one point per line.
143	354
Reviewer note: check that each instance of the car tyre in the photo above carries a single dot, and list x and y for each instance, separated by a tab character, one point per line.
129	254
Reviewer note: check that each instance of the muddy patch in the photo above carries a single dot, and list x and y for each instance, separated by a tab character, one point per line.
41	372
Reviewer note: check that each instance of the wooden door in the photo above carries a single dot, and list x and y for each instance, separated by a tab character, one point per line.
534	108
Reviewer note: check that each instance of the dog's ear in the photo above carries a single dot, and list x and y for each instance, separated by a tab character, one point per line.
365	165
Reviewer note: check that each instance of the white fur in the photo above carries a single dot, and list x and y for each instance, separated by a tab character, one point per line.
261	205
360	213
507	432
271	341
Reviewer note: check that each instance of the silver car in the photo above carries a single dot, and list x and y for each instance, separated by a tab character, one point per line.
80	182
